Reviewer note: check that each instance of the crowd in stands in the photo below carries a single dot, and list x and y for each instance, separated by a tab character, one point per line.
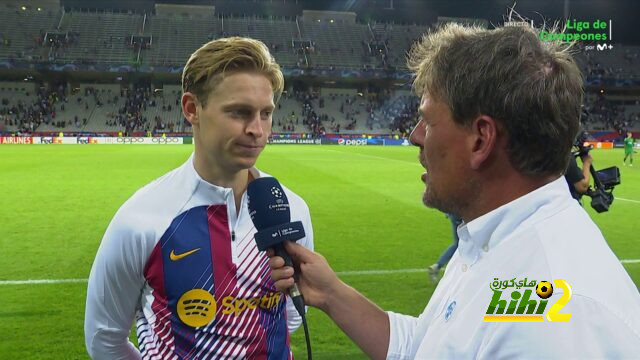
130	117
600	113
313	122
47	106
403	115
27	116
59	43
373	112
386	43
137	108
136	100
620	64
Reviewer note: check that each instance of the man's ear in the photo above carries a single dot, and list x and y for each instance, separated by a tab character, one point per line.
484	137
190	108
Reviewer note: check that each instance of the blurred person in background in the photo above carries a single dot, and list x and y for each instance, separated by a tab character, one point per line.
434	270
629	143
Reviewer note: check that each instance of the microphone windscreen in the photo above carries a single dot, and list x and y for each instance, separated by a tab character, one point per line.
268	203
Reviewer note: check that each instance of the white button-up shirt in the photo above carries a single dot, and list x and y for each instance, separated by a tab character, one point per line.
543	236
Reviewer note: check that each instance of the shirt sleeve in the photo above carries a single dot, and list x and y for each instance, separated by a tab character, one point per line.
592	332
294	320
573	173
113	292
403	331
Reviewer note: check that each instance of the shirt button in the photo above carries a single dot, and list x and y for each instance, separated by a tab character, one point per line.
464	267
485	248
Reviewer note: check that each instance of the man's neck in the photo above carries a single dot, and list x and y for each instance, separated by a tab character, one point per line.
213	173
495	193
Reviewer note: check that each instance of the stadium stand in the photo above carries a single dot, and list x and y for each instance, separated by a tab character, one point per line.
103	36
174	38
23	33
115	107
336	44
278	34
398	40
299	44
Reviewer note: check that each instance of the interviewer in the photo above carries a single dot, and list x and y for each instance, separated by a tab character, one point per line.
499	112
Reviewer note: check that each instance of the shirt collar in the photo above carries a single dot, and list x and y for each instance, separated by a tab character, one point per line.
213	188
488	230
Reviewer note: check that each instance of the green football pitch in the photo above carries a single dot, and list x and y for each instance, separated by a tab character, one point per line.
365	204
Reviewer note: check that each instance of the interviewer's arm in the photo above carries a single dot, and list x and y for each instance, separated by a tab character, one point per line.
363	321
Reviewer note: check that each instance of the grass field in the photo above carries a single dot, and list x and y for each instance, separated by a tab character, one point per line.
366	209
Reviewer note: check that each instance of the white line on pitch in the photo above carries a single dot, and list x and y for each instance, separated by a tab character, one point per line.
379	272
623	199
339	273
41	281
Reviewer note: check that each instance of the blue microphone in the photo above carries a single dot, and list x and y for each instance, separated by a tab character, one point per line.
270	213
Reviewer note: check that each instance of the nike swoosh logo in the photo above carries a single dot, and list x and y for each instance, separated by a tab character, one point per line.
175	257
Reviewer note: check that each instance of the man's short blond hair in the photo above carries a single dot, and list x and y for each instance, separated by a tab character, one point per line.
208	65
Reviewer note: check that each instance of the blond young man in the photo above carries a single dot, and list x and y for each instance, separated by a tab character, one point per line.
179	256
499	113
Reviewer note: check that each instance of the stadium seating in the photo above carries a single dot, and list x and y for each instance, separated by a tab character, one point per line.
354	113
275	33
399	39
336	44
21	30
175	38
103	37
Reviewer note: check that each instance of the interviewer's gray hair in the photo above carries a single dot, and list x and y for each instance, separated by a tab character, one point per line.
532	88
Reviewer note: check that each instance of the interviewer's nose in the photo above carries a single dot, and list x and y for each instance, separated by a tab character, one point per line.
417	135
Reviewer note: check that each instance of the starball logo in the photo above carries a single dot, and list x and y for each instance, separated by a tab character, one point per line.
523	305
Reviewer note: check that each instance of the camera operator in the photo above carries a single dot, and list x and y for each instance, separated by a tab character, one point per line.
578	179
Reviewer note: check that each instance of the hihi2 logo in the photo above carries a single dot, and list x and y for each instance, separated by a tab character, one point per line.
522	307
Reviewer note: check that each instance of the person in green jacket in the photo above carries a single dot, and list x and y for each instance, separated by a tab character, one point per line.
629	143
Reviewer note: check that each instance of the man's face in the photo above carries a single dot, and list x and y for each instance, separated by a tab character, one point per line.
235	123
443	154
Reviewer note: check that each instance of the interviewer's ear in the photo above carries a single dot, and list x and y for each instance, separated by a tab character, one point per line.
484	131
190	108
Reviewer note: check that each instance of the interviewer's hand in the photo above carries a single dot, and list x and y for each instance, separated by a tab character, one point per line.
363	321
316	280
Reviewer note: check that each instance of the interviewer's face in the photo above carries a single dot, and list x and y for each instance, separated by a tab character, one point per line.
232	129
442	154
